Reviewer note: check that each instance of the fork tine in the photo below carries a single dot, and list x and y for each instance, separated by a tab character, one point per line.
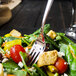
32	52
31	58
32	49
37	57
34	58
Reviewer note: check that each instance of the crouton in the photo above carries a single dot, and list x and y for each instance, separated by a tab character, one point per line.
47	58
15	33
52	34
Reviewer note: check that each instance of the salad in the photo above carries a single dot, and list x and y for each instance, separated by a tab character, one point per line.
58	59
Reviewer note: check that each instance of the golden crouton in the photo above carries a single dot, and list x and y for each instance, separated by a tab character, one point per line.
47	58
52	34
15	33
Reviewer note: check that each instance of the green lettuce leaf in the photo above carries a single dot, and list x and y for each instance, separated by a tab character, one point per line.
69	57
10	64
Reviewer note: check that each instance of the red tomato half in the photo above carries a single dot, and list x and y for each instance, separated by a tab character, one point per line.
14	52
61	65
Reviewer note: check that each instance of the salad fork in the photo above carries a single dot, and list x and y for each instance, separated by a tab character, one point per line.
40	45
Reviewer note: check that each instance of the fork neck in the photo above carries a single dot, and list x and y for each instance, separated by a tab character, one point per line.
47	9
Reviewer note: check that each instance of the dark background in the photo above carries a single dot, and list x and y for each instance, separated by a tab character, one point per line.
27	16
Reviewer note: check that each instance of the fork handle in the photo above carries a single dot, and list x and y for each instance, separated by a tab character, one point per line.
48	6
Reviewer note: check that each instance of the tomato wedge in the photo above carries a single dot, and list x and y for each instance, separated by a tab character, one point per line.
61	65
14	52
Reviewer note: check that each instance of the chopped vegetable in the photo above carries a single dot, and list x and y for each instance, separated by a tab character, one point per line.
39	70
20	73
70	53
56	74
1	70
9	44
10	75
7	35
10	64
46	29
3	44
7	55
25	66
65	39
61	65
14	52
2	51
58	37
52	68
51	41
49	73
1	41
1	57
10	38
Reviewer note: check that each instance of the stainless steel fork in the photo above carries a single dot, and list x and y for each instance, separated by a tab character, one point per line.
40	45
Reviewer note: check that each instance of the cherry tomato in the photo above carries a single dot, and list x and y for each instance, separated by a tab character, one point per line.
14	52
61	65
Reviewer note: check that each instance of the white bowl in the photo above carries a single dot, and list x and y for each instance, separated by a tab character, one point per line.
5	14
6	1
